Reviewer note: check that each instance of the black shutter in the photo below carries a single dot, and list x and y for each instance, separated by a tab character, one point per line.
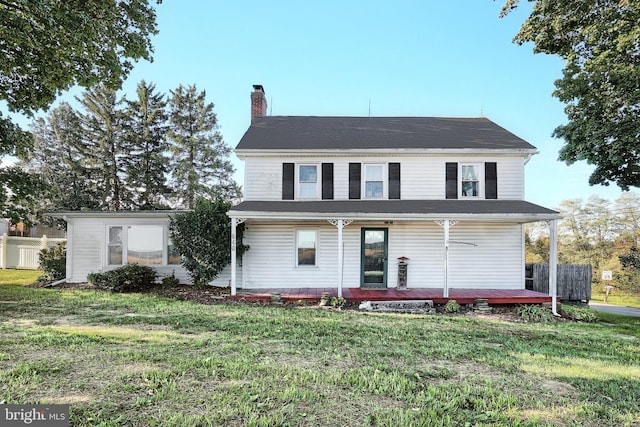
490	180
394	180
327	181
354	180
288	174
451	181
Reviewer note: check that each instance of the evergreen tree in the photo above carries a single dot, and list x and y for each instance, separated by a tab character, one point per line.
58	157
146	162
103	137
200	158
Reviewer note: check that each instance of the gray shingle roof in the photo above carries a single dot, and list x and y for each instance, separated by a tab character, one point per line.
397	207
321	133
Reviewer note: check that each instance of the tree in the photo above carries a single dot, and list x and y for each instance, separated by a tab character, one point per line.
146	163
103	137
200	158
600	84
18	189
58	157
49	46
202	237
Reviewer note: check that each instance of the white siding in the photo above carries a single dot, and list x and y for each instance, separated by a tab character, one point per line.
87	247
495	263
422	176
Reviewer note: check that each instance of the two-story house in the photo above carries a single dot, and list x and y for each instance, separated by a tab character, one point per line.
334	202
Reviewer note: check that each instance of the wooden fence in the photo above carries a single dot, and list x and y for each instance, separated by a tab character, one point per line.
574	280
23	252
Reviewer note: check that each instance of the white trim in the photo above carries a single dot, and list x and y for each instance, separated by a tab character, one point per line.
298	182
316	231
385	180
480	175
125	244
382	152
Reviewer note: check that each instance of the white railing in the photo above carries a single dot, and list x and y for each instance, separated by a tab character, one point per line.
23	252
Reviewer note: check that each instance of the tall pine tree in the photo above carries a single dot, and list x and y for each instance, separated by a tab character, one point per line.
103	133
59	158
146	163
200	158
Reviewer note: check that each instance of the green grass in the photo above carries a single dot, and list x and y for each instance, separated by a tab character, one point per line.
19	277
616	297
140	360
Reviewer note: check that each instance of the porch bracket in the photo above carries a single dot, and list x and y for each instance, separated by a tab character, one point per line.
340	224
234	224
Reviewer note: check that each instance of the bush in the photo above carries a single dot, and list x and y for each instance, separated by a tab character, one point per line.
452	306
535	313
128	278
581	314
170	281
202	238
338	302
53	263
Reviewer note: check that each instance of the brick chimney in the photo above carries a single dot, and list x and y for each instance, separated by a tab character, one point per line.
258	103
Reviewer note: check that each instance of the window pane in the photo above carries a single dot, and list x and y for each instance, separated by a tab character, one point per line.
373	189
115	255
306	247
144	244
174	256
469	173
470	188
308	174
115	235
308	190
374	172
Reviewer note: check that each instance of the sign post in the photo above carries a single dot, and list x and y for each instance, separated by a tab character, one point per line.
607	276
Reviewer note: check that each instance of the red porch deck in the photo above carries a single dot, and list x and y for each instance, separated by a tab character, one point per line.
462	296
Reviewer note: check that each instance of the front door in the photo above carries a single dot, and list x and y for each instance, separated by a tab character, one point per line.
374	258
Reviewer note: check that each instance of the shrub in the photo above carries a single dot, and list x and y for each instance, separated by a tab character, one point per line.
53	263
337	302
581	314
202	238
452	306
535	313
128	278
170	281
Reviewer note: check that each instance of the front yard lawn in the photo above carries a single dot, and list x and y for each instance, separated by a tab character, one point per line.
142	359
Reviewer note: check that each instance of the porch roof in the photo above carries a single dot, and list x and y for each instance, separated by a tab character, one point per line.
518	211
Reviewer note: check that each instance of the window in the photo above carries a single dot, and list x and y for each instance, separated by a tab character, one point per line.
308	181
145	244
140	244
374	181
114	246
470	181
306	247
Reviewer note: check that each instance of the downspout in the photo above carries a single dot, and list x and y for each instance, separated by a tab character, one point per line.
553	265
56	283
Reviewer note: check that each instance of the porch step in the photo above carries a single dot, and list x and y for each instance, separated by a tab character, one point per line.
402	306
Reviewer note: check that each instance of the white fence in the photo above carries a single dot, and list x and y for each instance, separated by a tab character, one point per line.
23	252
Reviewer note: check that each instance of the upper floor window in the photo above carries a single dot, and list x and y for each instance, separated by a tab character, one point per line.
470	180
374	181
308	181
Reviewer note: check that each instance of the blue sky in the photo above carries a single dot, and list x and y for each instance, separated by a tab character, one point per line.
404	58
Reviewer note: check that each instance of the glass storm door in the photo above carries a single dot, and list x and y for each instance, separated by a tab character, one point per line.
374	258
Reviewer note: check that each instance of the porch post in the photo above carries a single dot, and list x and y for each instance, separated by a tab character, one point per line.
553	264
234	223
340	225
445	289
